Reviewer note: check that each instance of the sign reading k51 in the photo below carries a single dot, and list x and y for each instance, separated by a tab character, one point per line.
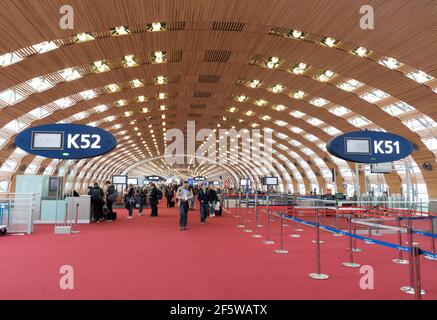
370	147
66	141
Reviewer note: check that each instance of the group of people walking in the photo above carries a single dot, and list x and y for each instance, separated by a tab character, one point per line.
102	200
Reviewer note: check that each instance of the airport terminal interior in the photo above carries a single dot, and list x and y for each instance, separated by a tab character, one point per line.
218	149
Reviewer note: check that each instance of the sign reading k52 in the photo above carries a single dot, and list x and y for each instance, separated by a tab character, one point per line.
370	147
66	141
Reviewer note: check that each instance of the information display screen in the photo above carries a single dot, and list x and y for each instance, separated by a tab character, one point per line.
216	183
146	182
133	181
271	181
47	140
119	179
357	146
153	178
385	167
244	182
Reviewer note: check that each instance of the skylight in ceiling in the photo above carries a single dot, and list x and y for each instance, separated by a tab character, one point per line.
88	94
419	76
339	111
398	108
100	66
319	102
45	46
349	85
70	74
11	97
40	84
390	63
63	103
374	95
9	58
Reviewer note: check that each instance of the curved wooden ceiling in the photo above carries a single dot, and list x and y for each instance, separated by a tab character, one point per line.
213	50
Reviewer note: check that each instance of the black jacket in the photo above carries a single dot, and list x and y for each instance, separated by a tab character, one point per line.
154	197
212	195
203	196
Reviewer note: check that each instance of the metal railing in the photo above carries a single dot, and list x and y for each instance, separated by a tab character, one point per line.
20	208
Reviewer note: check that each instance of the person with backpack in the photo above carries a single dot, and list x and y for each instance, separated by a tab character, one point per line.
111	197
212	199
142	193
97	202
169	194
155	195
130	200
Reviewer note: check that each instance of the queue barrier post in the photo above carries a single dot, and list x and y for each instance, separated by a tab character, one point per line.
354	247
268	241
318	275
400	259
337	225
256	235
431	218
318	241
414	252
247	214
240	215
351	263
294	235
281	250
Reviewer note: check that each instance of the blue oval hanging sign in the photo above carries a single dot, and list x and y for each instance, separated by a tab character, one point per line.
370	147
66	141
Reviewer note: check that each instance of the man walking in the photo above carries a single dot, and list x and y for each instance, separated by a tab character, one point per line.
212	199
204	206
111	197
184	195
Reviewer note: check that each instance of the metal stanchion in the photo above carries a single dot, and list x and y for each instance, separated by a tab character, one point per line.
431	218
415	285
370	236
354	246
281	250
294	235
318	241
268	241
318	275
400	259
351	263
337	225
256	235
240	215
247	214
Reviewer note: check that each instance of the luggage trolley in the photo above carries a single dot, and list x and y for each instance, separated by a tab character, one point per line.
4	218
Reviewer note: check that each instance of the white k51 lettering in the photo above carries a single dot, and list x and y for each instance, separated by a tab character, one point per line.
386	147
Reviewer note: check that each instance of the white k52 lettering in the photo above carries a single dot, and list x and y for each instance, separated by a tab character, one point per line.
83	141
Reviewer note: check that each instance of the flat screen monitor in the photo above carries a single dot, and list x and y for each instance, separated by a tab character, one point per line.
244	182
357	146
216	183
47	140
385	167
270	181
119	179
133	181
146	182
153	178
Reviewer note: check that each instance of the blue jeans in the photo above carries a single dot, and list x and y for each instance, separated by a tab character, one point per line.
183	214
203	211
211	207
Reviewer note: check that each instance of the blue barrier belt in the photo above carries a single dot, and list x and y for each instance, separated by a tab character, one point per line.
333	230
428	253
426	234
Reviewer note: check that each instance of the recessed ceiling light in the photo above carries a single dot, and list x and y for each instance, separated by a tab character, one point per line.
100	66
83	37
136	83
296	34
156	26
120	31
129	61
329	42
360	51
159	57
112	87
141	98
272	62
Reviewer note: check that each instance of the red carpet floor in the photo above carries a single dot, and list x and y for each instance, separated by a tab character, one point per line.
149	258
